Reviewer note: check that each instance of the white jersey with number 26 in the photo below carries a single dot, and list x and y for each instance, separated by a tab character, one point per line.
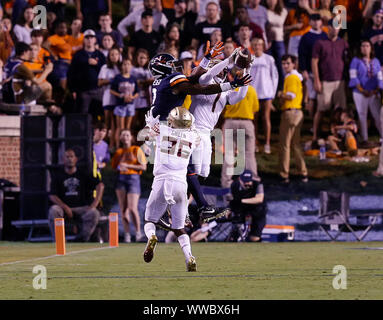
173	150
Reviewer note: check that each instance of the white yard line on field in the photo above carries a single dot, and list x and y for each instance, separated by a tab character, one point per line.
53	256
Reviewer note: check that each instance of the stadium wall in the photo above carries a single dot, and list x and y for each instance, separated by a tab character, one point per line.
10	148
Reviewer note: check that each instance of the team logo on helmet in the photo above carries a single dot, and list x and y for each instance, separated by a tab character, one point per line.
162	65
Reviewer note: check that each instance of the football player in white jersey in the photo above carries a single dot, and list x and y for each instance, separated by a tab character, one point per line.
175	143
207	110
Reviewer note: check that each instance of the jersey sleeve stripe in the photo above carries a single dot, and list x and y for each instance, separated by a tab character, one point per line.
178	81
177	77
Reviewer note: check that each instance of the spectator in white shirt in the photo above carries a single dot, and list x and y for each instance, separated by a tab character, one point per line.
276	16
22	30
265	81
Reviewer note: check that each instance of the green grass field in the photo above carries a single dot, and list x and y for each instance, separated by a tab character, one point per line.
225	271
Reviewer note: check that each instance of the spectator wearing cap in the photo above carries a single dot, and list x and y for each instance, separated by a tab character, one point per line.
329	57
187	62
366	80
83	74
291	120
145	38
89	11
249	201
375	34
371	6
105	22
135	19
305	54
185	15
203	30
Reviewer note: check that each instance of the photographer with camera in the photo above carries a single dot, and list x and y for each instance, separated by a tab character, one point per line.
249	201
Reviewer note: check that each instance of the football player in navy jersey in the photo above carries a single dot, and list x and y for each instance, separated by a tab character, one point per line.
169	90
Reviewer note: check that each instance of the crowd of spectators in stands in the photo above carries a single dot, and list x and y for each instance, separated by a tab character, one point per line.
88	61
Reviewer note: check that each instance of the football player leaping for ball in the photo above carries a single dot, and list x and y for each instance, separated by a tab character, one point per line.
207	110
170	88
175	143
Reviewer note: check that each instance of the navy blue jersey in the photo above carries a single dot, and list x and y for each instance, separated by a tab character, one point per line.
164	100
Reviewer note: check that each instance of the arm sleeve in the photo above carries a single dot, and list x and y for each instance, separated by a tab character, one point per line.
354	81
260	189
316	50
234	97
114	84
291	86
17	33
274	77
116	159
102	73
302	56
125	23
379	75
212	72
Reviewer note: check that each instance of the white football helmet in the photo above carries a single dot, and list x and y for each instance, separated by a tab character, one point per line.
180	118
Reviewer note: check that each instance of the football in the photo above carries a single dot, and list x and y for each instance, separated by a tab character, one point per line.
243	59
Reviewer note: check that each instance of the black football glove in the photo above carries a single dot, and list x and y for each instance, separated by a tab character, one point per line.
240	82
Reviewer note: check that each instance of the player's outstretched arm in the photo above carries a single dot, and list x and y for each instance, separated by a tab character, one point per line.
215	70
235	96
186	87
210	52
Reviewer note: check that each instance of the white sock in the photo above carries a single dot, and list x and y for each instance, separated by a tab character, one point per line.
184	242
150	229
127	237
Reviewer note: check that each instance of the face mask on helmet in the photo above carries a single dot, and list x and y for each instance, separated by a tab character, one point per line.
178	66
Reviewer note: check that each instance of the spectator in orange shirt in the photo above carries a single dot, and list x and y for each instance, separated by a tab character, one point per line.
76	38
130	161
297	24
43	54
61	48
37	67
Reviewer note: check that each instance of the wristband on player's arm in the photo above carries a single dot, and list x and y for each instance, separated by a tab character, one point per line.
226	86
204	63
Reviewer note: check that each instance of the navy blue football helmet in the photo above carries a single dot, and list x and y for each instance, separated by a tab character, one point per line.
162	65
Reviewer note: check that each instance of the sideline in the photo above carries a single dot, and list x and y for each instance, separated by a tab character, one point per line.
55	255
